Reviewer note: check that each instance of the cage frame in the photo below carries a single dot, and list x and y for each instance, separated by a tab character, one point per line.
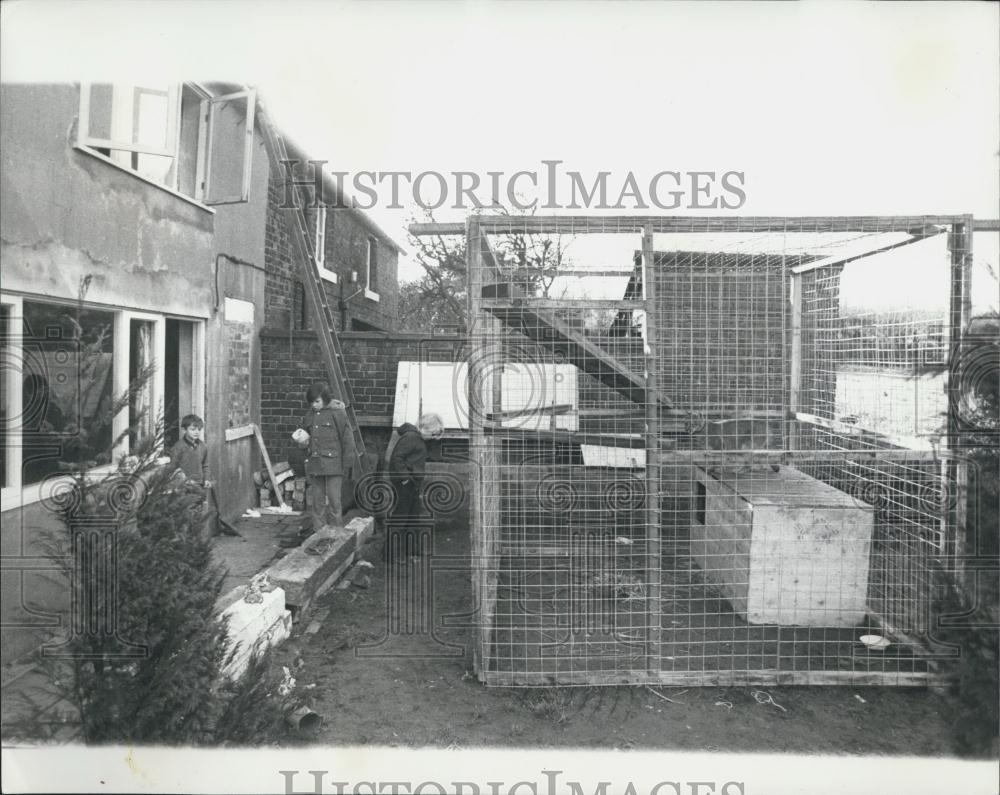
481	259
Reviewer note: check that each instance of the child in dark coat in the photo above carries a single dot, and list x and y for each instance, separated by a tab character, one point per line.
330	444
407	464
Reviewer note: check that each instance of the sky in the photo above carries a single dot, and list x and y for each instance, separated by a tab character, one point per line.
826	108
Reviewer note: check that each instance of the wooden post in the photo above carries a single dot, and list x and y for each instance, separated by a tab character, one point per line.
794	441
477	441
960	248
653	526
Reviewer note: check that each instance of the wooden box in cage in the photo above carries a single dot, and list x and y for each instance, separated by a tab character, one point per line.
782	547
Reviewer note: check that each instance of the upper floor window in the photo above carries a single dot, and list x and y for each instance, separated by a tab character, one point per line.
177	136
326	270
371	278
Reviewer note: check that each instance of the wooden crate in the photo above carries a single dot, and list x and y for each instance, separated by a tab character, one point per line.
782	547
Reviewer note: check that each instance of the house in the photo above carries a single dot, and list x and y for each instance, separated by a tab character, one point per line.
142	226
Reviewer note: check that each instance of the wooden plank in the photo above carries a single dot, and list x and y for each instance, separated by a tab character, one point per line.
267	463
765	677
565	437
746	457
827	262
558	303
516	414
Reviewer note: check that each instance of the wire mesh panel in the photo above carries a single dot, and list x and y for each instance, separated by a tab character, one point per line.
705	450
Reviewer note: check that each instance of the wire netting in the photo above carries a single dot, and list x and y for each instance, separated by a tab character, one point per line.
710	452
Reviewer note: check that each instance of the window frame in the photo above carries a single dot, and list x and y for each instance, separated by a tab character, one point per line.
14	343
17	495
319	246
372	248
205	139
90	145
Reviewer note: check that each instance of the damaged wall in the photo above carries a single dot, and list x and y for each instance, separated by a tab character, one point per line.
67	214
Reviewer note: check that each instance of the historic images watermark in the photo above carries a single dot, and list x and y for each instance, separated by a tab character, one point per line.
545	187
549	782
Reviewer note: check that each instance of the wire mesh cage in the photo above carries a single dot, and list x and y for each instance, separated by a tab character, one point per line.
708	451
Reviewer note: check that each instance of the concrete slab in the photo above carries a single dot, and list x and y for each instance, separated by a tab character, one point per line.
256	547
304	576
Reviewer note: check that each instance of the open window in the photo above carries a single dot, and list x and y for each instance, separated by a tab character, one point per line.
177	136
228	121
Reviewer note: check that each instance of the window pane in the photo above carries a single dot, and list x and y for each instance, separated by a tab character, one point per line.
67	389
187	151
372	266
227	130
141	414
101	99
149	121
154	167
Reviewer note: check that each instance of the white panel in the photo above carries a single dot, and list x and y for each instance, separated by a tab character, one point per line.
600	456
442	388
238	311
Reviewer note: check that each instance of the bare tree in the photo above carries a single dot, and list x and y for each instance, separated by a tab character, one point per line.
530	262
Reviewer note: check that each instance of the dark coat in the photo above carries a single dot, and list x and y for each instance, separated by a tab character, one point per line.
192	459
409	456
331	443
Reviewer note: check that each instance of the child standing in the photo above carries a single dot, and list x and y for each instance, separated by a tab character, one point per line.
190	455
407	463
330	454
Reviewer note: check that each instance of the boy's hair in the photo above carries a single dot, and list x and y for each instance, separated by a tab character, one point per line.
192	419
318	390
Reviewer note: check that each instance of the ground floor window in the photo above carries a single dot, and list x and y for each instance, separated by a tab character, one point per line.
64	368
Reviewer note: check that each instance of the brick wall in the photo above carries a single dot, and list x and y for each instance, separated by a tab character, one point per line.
346	250
291	361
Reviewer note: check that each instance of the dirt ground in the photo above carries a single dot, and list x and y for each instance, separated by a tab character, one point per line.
418	689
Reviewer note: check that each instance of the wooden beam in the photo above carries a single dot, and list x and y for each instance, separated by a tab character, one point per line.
566	437
580	224
560	303
960	248
424	229
635	224
745	457
688	678
515	414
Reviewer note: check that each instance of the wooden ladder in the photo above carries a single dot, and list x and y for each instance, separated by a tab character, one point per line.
319	307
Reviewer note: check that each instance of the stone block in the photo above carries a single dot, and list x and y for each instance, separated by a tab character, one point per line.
303	575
